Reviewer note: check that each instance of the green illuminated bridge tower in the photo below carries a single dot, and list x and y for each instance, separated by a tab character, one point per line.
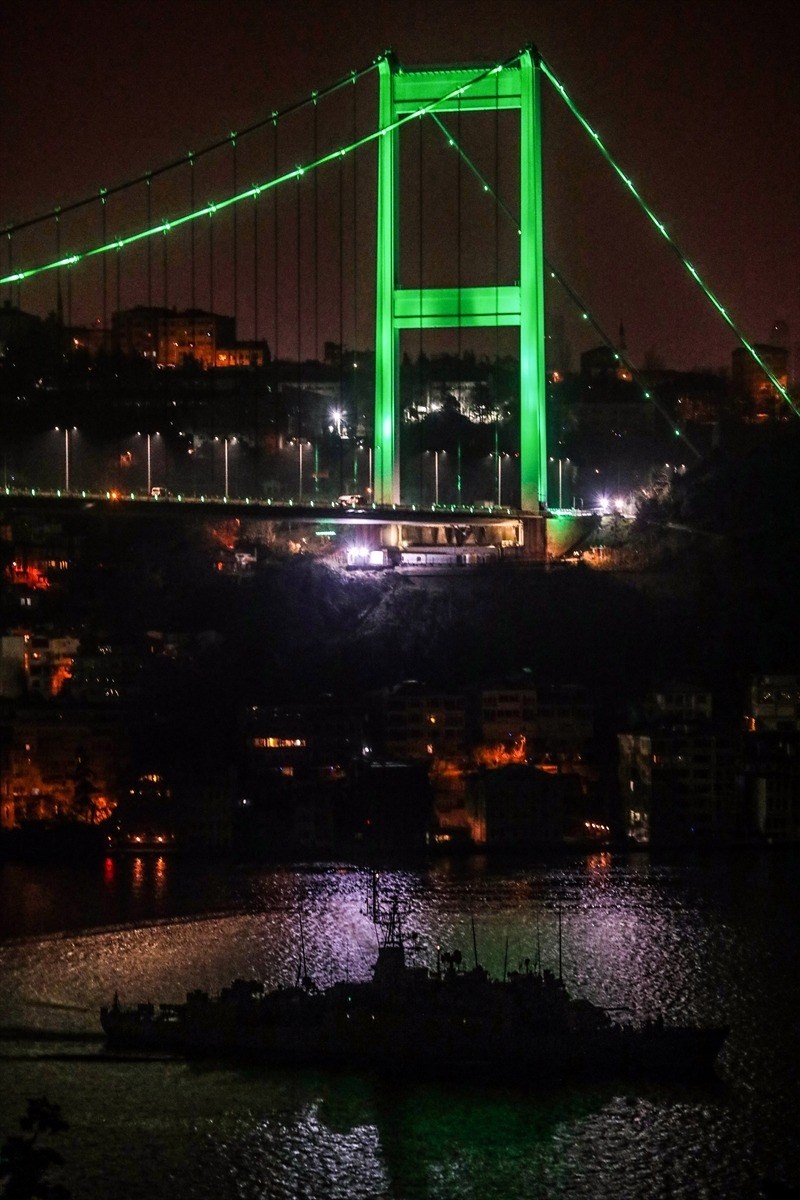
451	89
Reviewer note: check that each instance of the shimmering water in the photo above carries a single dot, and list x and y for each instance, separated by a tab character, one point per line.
708	941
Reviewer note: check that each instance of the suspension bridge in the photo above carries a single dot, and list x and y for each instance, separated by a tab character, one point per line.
359	226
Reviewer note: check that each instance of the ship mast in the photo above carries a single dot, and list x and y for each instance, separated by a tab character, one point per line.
560	960
388	921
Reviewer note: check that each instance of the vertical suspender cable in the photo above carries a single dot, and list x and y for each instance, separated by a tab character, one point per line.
58	272
254	357
341	319
167	346
497	462
211	288
316	239
458	257
354	389
211	279
148	183
59	298
255	269
275	244
193	259
118	340
163	325
274	371
316	281
421	332
105	269
301	408
234	168
117	347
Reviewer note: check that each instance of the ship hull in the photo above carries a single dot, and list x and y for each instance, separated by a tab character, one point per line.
394	1043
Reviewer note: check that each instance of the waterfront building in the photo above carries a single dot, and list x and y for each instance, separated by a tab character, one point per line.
774	704
772	757
50	748
520	805
13	665
422	722
679	772
556	719
35	663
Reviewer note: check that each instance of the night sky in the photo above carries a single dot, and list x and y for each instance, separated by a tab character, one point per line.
700	103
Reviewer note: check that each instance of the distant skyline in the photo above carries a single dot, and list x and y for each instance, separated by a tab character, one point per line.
699	105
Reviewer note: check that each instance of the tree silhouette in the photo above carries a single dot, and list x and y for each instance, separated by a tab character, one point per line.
24	1161
84	788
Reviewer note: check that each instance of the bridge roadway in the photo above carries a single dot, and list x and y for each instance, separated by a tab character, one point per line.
467	534
312	512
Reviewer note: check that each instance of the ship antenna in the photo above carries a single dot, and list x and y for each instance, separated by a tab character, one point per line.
560	962
302	947
372	908
474	943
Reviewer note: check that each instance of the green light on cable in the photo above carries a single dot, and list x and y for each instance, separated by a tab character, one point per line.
668	237
554	275
250	193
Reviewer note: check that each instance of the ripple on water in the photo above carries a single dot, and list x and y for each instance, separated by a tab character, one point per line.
693	943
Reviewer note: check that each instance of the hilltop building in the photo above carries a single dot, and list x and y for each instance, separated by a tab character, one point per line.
171	338
757	394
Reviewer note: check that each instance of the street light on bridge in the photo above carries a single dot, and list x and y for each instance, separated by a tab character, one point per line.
561	462
300	444
66	454
227	441
500	456
149	462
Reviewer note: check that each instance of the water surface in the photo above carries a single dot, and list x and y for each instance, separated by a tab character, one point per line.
705	941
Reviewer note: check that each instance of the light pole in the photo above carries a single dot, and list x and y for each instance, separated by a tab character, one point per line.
148	458
225	461
300	469
499	480
66	456
561	462
436	477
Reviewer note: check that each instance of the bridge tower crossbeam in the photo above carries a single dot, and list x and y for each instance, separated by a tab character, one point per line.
403	91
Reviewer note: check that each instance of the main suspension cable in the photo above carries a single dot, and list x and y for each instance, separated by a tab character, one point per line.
275	116
618	352
167	226
669	239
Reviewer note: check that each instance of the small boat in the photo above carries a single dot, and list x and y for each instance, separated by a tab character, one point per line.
420	1023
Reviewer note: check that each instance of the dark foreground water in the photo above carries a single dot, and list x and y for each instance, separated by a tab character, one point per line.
706	941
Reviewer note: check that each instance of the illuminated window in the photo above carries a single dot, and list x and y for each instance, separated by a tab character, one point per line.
278	743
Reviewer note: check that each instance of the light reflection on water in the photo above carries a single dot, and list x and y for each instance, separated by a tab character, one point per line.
712	941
